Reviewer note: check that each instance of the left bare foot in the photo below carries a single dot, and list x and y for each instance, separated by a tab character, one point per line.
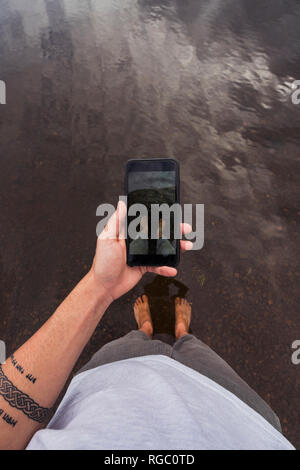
142	315
183	314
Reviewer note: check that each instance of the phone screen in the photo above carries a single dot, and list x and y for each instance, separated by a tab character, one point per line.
152	182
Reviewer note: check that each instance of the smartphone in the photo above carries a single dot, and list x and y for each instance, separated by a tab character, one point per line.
148	182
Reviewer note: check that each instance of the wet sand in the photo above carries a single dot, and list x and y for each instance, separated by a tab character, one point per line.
91	84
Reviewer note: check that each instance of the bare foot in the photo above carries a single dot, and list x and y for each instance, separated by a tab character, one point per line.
142	315
183	314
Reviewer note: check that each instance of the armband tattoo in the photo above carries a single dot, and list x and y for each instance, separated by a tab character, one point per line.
21	401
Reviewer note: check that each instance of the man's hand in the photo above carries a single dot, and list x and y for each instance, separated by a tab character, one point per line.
110	271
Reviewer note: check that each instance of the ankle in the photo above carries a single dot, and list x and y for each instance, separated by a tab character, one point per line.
180	331
147	328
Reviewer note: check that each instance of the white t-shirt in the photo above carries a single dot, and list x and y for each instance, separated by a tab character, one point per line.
153	402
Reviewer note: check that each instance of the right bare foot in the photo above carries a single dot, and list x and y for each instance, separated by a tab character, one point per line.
142	315
183	314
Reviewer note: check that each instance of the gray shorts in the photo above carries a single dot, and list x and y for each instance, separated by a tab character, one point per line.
191	352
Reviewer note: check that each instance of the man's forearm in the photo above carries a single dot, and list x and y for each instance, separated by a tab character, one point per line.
32	378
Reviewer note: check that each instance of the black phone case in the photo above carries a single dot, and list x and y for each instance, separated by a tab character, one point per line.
177	201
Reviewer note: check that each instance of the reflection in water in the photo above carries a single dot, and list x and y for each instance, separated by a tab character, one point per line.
92	83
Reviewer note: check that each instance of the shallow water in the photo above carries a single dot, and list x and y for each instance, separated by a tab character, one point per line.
93	83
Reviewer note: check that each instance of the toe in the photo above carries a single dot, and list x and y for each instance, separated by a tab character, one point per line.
144	298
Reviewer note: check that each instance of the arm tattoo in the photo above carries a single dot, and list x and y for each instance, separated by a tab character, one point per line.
8	419
20	400
20	369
